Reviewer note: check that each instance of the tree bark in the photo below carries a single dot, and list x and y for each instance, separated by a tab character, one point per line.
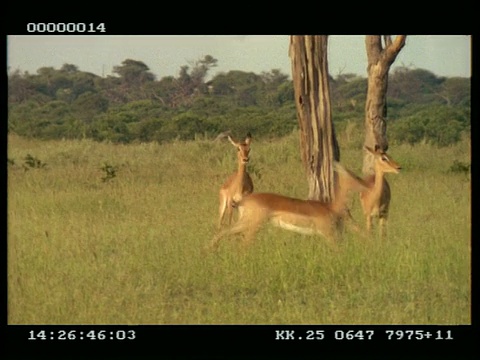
318	143
380	58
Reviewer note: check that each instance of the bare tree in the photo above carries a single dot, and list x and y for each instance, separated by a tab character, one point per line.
318	143
380	57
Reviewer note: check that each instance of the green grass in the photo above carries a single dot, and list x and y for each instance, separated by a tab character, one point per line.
131	249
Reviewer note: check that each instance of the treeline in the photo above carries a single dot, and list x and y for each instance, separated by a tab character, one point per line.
132	105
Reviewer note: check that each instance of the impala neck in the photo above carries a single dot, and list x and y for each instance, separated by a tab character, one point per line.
241	167
378	184
240	173
338	204
346	183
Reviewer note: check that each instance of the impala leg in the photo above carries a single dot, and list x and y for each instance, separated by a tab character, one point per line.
214	243
353	226
229	212
383	227
223	208
350	222
250	231
369	223
220	218
238	227
216	239
333	236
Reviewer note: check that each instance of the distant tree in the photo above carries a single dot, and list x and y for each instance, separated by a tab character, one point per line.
200	71
88	105
349	92
83	82
247	96
134	72
455	91
191	82
113	89
162	91
245	87
221	85
20	88
274	78
133	76
284	93
48	81
69	68
273	91
413	85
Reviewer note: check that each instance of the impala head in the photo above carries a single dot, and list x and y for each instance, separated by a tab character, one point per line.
383	161
243	148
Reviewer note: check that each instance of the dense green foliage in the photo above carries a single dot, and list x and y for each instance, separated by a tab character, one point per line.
133	105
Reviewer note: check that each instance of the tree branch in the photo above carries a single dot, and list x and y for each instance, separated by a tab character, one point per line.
392	50
374	48
387	39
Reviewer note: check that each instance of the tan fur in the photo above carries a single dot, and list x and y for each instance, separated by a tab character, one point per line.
238	184
303	216
376	201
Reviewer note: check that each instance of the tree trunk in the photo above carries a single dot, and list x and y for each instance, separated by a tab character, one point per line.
380	58
318	143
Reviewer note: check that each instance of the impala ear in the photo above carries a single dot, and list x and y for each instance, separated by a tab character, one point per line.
377	148
231	140
369	149
248	138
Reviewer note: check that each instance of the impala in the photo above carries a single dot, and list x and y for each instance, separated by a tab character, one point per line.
238	184
302	216
376	200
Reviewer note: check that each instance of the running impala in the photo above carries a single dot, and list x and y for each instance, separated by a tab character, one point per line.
302	216
376	200
238	184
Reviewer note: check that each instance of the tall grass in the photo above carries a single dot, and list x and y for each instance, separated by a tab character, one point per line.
130	249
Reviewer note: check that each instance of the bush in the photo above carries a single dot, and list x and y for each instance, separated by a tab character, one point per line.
440	125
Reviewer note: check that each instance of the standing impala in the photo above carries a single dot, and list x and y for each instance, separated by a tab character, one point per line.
303	216
376	200
238	184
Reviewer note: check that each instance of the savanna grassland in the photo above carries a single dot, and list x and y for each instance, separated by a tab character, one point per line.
116	234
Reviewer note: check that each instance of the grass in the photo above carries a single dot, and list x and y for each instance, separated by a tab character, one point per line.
130	249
